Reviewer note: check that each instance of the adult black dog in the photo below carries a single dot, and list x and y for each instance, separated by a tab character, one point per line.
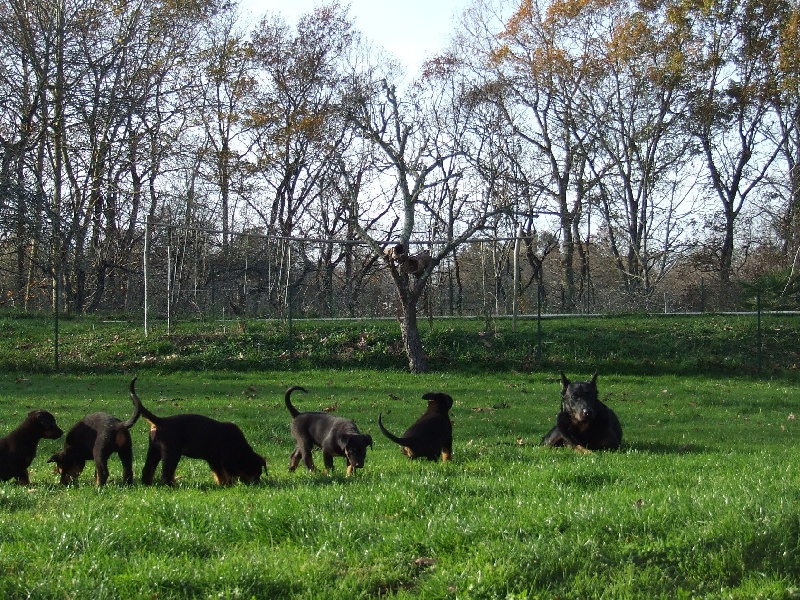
584	422
222	445
431	434
336	436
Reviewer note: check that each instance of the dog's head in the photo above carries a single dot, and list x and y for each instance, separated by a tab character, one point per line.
45	424
250	467
67	465
579	400
438	402
354	446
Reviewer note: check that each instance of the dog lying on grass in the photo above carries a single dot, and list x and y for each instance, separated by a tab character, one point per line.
222	445
584	422
431	434
96	437
18	448
336	436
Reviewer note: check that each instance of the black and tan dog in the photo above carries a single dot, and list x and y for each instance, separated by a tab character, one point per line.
96	437
336	436
584	422
432	434
18	448
222	445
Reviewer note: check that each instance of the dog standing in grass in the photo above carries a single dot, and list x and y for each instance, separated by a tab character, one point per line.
336	436
432	434
222	445
18	448
584	422
96	437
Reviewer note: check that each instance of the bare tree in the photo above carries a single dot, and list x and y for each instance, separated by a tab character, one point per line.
638	146
416	137
731	94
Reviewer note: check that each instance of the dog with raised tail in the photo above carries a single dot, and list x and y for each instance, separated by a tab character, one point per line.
96	437
221	444
335	436
432	434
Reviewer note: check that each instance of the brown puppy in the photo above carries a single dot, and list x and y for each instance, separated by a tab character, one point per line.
222	445
18	448
96	437
335	435
431	434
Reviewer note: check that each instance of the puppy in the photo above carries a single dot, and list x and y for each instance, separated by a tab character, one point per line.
335	435
222	445
584	422
431	434
96	437
18	448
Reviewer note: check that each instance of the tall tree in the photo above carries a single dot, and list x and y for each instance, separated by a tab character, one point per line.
534	71
638	145
731	104
416	137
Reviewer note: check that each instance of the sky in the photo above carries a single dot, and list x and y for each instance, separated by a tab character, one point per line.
411	30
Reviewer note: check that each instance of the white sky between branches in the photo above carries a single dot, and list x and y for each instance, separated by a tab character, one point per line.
411	30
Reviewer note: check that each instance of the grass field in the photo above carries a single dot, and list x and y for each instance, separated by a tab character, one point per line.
702	502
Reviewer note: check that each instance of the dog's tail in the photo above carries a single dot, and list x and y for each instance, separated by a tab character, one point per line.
391	436
139	408
288	399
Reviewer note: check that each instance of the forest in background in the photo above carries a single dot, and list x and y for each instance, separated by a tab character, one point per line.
593	155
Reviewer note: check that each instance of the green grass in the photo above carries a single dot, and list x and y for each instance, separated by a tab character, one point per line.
702	502
720	345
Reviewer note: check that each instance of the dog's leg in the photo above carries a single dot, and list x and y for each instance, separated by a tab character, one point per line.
169	464
150	464
221	475
327	458
100	470
554	438
308	458
100	455
126	458
294	459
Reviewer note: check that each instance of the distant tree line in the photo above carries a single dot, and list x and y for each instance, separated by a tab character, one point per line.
599	155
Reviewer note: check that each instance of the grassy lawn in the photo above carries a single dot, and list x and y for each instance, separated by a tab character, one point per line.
702	502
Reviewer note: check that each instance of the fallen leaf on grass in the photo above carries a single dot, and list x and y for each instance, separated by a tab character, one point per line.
425	562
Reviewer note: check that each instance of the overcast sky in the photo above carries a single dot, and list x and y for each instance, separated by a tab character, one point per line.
411	30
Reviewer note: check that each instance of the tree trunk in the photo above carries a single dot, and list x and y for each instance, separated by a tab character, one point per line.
417	359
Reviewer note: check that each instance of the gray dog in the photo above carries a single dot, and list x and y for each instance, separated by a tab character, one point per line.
335	435
584	422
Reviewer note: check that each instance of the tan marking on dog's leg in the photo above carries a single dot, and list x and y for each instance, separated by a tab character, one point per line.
447	456
350	470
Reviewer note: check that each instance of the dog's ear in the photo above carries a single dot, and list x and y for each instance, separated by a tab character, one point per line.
564	382
342	440
594	379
